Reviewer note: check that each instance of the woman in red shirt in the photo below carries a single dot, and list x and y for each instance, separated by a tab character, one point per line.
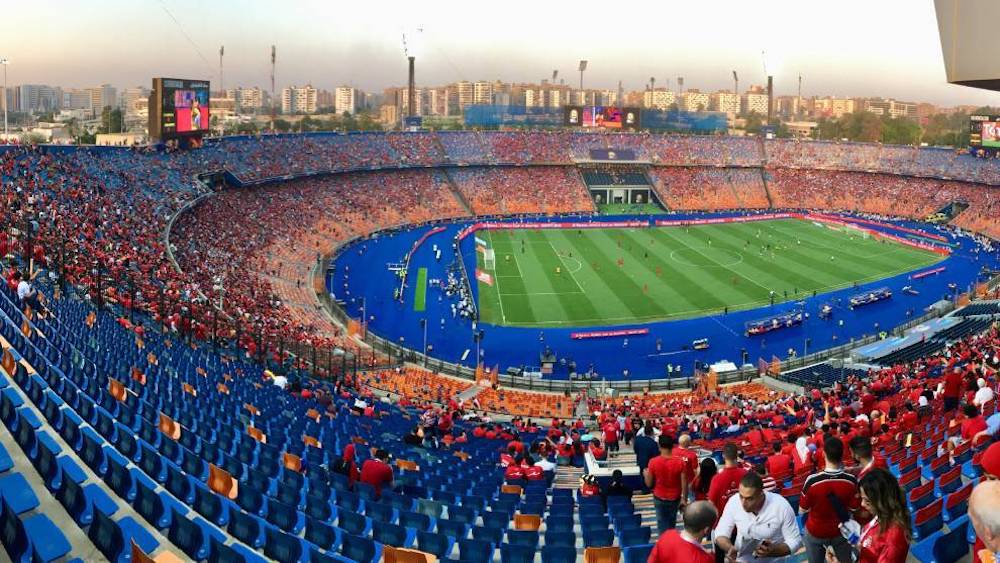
886	539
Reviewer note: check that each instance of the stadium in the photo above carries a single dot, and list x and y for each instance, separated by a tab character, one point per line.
485	345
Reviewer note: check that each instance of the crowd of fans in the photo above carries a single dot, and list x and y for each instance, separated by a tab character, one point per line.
689	188
100	215
507	189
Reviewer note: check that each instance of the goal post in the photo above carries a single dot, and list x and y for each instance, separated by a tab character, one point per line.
490	259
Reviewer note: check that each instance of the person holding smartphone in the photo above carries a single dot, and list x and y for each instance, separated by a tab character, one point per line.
886	537
766	530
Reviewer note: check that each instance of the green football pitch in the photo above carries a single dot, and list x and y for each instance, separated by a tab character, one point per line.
558	278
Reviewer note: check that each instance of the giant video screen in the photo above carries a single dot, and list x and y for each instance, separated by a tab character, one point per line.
604	117
184	106
984	131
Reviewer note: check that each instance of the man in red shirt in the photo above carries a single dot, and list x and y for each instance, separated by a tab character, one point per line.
690	458
778	463
974	423
685	545
727	481
611	435
666	476
952	389
829	497
377	472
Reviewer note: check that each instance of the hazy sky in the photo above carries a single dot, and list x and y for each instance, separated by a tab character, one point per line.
850	48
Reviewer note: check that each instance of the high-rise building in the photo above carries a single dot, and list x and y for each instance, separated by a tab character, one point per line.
466	94
248	100
833	107
659	98
101	97
298	100
755	100
891	107
725	101
325	99
75	98
482	92
347	100
694	100
131	98
38	98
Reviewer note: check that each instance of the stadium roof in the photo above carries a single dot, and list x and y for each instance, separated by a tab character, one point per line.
969	41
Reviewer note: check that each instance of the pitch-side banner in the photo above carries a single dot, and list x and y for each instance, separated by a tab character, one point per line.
609	333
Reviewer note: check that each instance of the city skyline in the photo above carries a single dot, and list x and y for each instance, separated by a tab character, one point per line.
893	48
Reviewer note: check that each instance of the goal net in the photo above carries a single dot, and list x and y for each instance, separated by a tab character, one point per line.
490	259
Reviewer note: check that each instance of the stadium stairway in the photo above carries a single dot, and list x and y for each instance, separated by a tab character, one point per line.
567	477
767	190
457	193
469	394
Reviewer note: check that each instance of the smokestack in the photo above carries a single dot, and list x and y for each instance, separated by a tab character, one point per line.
770	99
411	95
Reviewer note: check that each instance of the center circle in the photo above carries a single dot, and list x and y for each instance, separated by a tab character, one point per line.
707	257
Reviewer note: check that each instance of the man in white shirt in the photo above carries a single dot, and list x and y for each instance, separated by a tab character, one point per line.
766	530
280	381
983	395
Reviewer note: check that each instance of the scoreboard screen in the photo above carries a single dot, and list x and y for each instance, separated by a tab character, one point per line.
604	117
179	108
984	131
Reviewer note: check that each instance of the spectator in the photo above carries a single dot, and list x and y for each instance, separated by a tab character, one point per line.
683	451
415	437
703	480
886	538
346	465
952	389
765	525
685	545
778	463
725	482
617	486
666	475
828	497
984	512
861	449
974	422
984	394
377	472
645	447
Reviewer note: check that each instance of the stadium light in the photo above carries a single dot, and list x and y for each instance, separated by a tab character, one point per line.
583	67
4	62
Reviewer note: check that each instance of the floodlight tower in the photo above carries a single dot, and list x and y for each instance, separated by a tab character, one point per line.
4	62
410	48
583	67
273	58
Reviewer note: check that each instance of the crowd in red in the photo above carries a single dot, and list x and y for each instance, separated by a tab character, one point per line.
690	188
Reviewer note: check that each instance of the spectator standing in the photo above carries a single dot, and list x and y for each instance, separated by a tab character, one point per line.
886	537
686	544
666	476
726	481
827	497
764	525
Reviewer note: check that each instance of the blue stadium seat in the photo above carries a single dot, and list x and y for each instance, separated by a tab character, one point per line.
360	549
558	554
392	534
560	538
475	551
283	547
516	553
325	536
437	544
637	553
247	528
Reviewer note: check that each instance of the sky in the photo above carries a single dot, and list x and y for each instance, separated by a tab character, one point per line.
887	48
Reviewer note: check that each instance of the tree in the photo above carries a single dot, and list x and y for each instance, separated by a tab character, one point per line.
282	125
111	120
754	121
